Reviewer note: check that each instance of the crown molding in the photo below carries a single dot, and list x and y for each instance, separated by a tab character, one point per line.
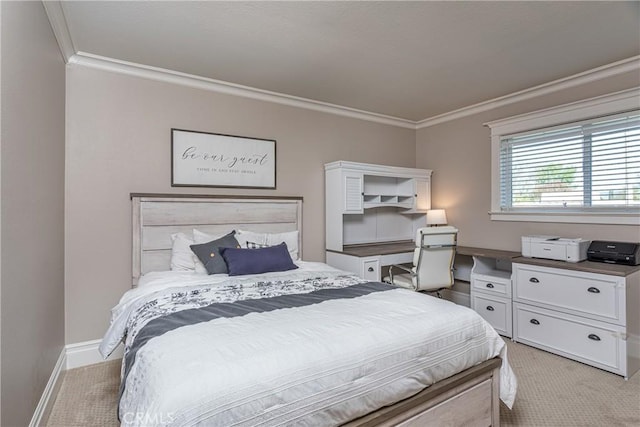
609	70
205	83
55	13
176	77
611	103
60	28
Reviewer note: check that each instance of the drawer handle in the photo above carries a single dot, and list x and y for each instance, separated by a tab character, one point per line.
594	337
594	290
534	321
489	308
534	280
490	285
370	269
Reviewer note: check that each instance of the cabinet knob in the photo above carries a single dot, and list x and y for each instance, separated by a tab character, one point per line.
490	285
534	280
534	321
489	308
370	269
594	290
594	337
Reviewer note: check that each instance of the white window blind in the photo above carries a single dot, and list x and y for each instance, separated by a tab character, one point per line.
591	165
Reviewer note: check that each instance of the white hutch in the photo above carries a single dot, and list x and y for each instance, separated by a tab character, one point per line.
372	214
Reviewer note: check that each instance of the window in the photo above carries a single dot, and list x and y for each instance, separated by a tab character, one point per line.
593	164
578	171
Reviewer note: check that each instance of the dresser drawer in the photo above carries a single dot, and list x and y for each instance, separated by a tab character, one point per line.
496	311
597	296
596	343
371	270
492	285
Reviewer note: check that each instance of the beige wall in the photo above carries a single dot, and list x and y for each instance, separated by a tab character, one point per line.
32	186
118	142
459	152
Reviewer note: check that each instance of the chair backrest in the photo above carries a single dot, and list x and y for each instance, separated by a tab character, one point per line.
433	257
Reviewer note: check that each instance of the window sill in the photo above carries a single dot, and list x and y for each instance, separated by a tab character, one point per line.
569	217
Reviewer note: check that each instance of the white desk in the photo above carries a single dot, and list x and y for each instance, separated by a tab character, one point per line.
367	260
489	292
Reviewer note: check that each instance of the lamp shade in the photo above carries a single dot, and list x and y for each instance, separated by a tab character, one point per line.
436	217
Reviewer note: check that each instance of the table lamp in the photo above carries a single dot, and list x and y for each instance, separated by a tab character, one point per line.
436	217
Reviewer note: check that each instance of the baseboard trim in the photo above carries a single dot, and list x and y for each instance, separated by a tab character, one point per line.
72	356
87	353
50	391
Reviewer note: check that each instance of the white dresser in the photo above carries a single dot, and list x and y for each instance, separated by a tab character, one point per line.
586	311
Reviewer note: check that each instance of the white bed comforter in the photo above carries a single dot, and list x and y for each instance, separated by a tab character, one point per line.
319	364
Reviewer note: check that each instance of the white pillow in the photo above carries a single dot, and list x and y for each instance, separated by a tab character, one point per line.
290	238
244	236
202	237
182	257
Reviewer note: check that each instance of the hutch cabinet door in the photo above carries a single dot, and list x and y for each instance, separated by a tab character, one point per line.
353	197
423	194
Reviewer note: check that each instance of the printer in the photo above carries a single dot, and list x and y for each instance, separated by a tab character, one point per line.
555	247
614	252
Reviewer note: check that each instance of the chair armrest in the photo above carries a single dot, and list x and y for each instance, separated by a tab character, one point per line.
401	267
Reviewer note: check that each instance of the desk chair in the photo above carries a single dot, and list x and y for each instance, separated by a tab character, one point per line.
433	256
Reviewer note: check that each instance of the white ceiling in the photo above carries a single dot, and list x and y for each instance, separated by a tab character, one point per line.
411	60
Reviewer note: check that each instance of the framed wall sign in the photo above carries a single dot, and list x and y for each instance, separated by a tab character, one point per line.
200	159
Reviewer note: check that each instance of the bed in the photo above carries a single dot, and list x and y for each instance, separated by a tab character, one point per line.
307	345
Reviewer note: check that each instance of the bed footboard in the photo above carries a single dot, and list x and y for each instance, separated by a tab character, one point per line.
470	398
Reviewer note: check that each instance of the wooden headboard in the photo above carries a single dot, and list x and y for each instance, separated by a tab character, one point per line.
156	216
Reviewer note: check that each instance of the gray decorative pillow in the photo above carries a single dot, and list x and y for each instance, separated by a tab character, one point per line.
209	253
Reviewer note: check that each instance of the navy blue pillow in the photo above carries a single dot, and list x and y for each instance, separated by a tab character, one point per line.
255	261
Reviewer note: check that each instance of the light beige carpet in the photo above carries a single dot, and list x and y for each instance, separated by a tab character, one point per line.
552	391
